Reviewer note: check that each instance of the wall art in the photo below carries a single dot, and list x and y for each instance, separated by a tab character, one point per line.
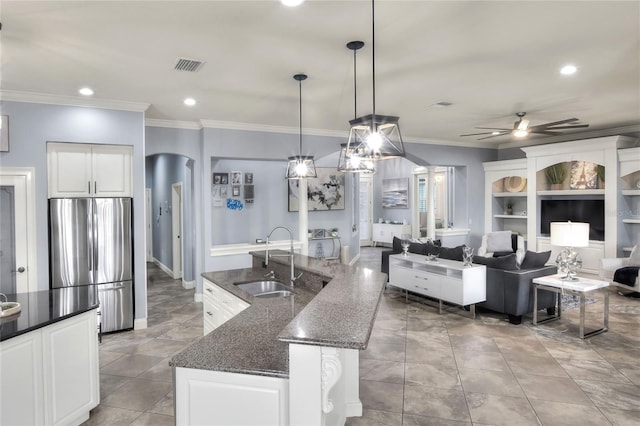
326	192
235	190
248	178
4	134
220	178
248	193
236	178
395	193
583	175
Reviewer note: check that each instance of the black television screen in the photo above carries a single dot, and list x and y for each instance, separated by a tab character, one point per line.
589	211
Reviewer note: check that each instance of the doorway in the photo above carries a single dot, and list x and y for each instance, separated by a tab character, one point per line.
176	228
148	218
18	270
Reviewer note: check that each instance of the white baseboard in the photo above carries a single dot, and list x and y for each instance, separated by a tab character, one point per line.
197	297
354	260
140	323
188	284
163	267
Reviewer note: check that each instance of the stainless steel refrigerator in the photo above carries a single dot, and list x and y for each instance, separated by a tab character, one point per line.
90	243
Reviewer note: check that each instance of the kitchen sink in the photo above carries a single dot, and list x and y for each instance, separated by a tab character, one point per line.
265	288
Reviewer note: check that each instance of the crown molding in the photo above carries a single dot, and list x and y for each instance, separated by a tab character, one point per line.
172	124
614	131
233	125
45	98
463	144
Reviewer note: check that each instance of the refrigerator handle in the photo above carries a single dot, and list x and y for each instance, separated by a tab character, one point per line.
95	186
89	187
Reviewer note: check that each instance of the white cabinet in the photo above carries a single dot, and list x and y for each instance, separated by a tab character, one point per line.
83	170
506	196
446	280
217	398
630	211
219	306
51	375
384	232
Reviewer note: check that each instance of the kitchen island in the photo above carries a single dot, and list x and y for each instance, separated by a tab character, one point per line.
287	360
49	358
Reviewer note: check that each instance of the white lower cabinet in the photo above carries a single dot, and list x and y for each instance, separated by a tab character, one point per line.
217	398
219	306
51	375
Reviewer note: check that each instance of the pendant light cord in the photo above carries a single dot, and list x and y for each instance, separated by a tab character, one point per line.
300	82
373	60
355	86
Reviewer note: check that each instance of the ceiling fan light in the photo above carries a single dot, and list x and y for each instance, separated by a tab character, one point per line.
520	133
568	70
292	3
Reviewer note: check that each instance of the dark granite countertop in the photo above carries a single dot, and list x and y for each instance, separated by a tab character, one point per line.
41	308
256	340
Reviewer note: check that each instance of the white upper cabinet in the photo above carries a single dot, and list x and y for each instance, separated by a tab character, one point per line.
83	170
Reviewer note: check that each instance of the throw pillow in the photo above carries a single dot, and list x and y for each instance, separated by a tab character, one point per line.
396	246
634	257
502	253
499	241
418	248
506	263
535	260
432	249
451	253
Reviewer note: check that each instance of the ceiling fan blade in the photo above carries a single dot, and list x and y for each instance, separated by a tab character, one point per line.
494	128
575	126
545	132
555	123
522	124
476	134
490	136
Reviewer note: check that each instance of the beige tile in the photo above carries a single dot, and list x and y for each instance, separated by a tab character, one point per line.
138	394
415	420
112	416
107	357
164	406
619	417
161	371
493	361
612	395
559	389
474	343
439	403
443	377
564	414
542	366
109	383
423	353
375	418
162	347
491	382
381	396
384	371
131	365
384	352
500	410
593	370
151	419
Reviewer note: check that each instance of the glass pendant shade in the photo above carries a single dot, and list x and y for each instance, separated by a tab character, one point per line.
375	137
301	166
353	161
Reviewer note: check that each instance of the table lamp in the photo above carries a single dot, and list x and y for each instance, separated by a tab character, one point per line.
569	235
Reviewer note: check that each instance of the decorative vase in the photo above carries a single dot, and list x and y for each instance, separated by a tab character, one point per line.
556	186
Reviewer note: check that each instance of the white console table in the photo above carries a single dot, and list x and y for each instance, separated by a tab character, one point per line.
384	232
444	280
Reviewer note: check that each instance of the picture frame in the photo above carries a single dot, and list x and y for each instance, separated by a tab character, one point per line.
248	178
326	192
4	134
395	193
248	192
235	190
220	178
583	175
224	191
236	178
318	233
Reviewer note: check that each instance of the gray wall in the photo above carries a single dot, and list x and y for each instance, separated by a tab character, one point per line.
32	125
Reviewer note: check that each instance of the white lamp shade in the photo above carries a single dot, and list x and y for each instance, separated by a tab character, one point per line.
569	234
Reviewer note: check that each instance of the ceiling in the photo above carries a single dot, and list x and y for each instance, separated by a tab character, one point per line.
489	59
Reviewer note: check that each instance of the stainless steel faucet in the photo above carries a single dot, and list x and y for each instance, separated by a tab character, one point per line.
292	277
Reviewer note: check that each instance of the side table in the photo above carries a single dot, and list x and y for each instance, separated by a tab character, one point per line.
580	287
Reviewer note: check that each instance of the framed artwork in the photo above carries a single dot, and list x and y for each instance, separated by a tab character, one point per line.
4	134
236	178
326	192
235	190
248	192
220	178
248	178
584	175
318	233
395	193
224	192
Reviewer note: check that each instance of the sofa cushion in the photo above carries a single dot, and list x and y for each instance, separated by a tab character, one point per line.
433	249
396	245
502	253
535	260
505	263
451	253
418	248
634	257
499	241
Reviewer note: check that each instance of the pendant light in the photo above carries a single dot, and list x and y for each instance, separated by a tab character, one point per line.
376	136
301	166
351	160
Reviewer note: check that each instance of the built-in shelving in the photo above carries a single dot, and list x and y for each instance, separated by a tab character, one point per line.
509	194
510	216
572	192
627	249
631	220
631	192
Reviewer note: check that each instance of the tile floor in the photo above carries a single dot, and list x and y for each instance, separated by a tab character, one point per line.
420	368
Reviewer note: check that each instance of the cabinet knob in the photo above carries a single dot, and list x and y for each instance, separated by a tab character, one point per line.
209	313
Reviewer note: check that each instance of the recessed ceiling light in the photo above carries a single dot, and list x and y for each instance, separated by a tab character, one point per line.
85	91
189	102
568	70
441	104
292	3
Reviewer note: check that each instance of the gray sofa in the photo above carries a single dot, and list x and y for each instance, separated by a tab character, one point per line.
509	289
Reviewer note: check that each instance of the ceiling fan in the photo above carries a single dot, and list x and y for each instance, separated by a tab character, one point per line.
521	128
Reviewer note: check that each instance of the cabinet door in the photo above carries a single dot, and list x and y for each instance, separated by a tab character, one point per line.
21	383
69	170
111	166
71	375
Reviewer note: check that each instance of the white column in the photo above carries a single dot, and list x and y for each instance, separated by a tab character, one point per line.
431	198
303	217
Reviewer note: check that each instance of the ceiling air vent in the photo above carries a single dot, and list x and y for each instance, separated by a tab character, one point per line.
190	65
